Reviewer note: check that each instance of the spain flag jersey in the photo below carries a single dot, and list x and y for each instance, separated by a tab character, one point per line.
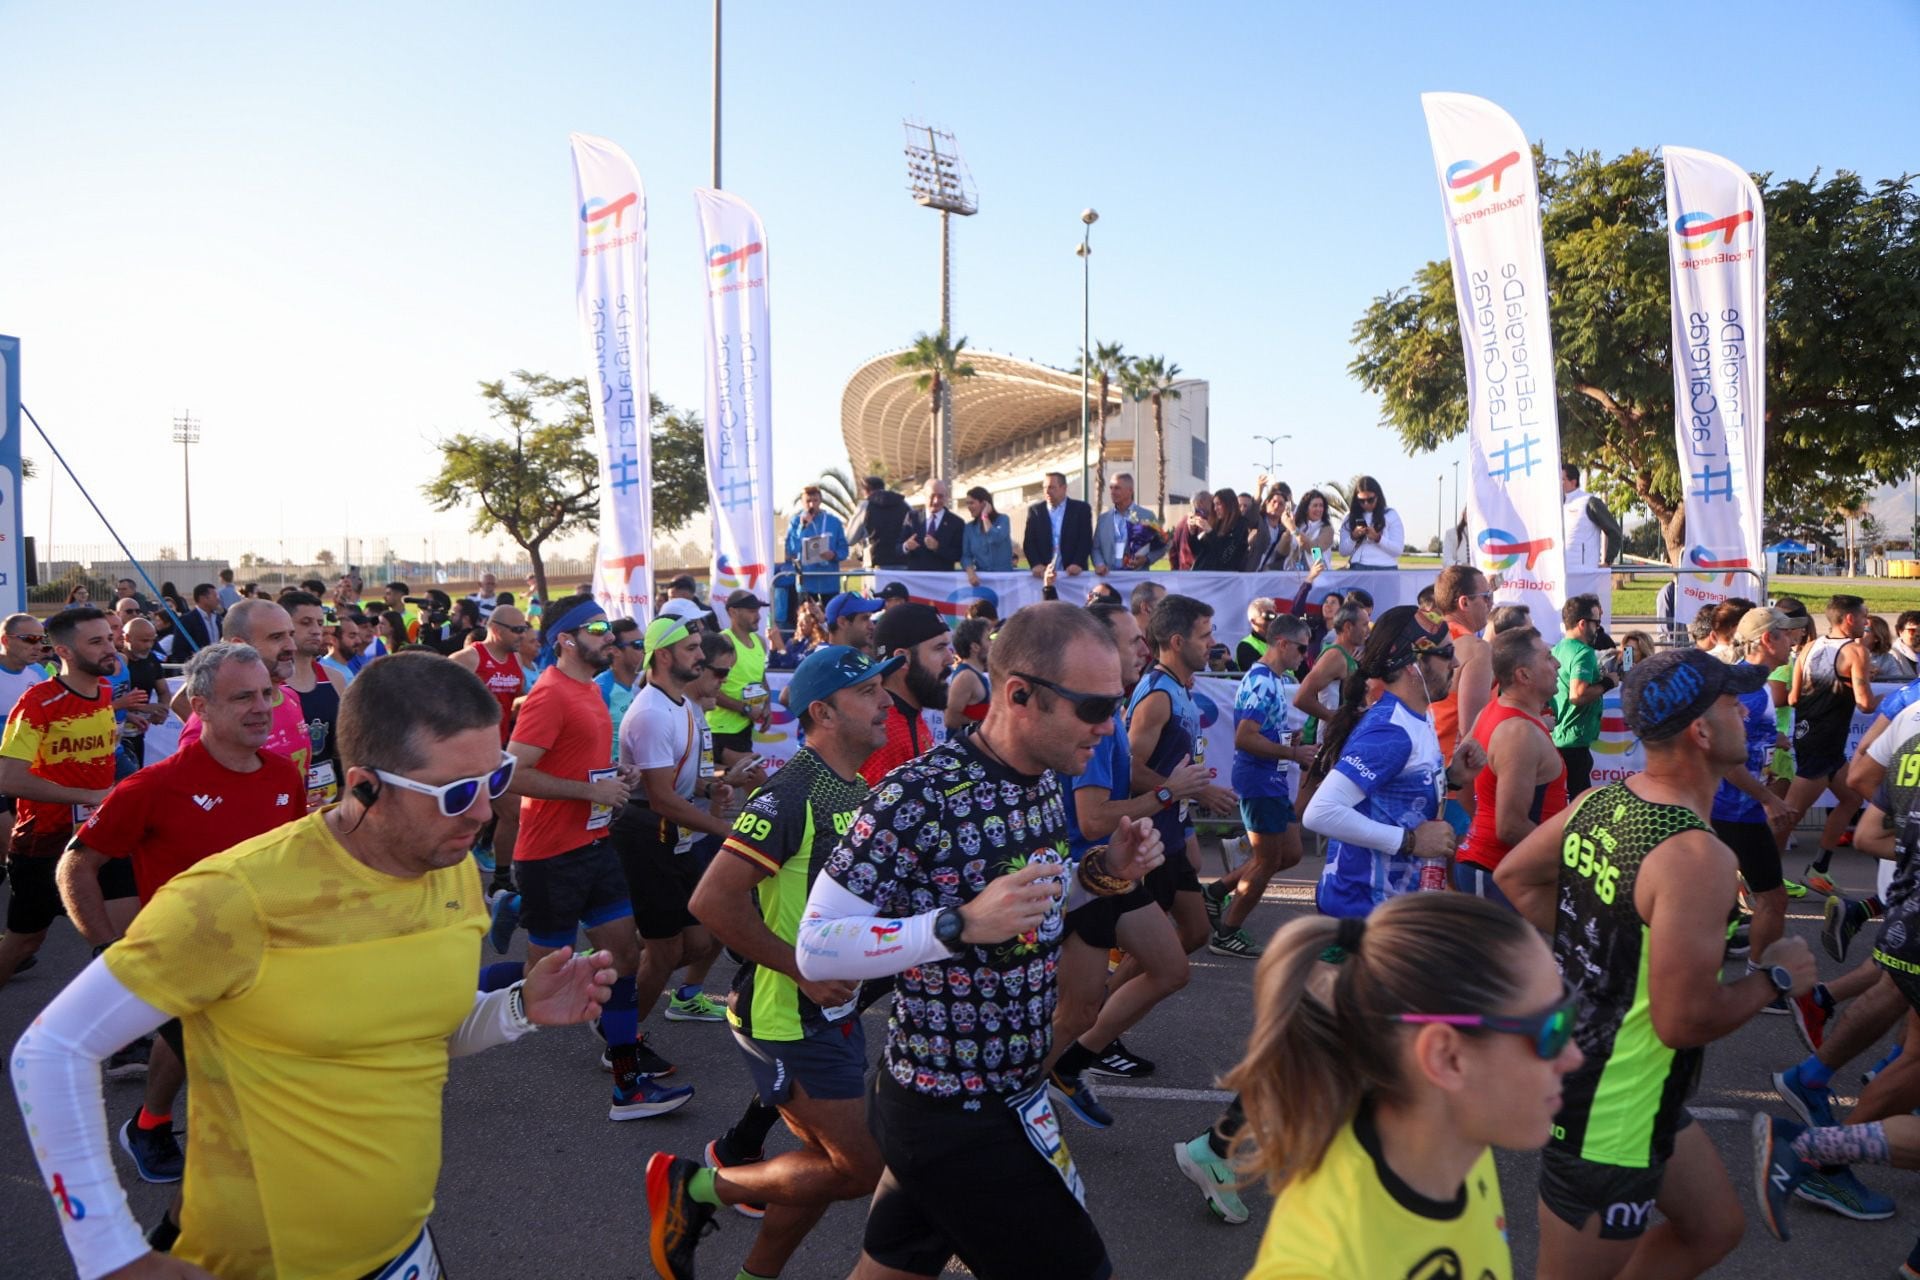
66	739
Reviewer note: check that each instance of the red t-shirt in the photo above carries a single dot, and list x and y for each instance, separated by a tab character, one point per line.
568	719
66	739
908	736
171	814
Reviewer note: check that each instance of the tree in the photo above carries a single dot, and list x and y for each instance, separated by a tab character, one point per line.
1109	365
939	362
1843	391
677	447
1152	378
323	557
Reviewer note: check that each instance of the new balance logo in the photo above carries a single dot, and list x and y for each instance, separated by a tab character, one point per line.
208	802
280	800
1781	1179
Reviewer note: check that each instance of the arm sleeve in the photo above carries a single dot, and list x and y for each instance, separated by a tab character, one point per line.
1393	537
487	1025
56	1076
840	933
1334	812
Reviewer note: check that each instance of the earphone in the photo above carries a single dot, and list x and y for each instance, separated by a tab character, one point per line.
366	793
1020	697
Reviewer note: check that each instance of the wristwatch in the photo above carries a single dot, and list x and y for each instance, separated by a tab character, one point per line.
948	926
1164	796
1782	980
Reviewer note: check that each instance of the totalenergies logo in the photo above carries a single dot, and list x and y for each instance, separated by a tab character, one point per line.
603	215
1701	558
728	576
1615	738
1502	550
723	258
885	933
1467	179
1697	230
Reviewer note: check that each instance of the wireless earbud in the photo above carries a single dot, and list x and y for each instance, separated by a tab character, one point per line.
366	793
1020	697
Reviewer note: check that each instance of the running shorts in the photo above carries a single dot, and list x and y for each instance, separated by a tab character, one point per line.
582	888
1752	843
1576	1190
1267	815
829	1064
660	882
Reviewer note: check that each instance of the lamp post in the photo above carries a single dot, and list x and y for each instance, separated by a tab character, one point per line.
1085	251
186	434
1272	441
1440	514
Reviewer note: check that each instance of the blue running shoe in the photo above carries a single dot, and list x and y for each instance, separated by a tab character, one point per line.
1777	1171
1078	1094
1834	1187
506	918
639	1098
1813	1105
483	858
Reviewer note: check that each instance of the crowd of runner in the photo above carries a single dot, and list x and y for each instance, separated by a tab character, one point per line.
293	867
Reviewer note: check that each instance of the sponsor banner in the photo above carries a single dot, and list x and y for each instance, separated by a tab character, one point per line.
739	394
1716	244
610	282
1490	197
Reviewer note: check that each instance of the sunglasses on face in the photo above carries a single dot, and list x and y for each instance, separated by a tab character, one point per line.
627	644
1550	1030
458	796
1366	498
525	627
598	627
29	639
1090	708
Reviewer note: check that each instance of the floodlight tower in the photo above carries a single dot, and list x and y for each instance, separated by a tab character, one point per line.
938	179
186	434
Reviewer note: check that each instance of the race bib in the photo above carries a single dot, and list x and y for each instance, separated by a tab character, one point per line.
323	784
81	812
1042	1123
420	1261
600	816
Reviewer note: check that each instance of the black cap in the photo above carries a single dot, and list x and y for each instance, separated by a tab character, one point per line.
895	591
905	627
1664	694
745	599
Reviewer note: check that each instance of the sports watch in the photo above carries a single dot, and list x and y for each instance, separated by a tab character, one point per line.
948	926
1164	796
1782	980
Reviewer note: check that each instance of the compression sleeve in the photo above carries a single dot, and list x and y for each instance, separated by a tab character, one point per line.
1334	812
488	1024
56	1076
841	938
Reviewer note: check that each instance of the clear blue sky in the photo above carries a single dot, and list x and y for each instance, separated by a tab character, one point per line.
319	226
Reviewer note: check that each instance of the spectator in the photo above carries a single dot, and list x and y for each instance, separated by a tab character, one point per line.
984	609
986	546
850	621
1906	638
1372	534
1247	505
809	633
79	596
1312	529
895	594
1180	545
1508	617
202	622
1886	664
1270	544
1104	593
1593	535
391	631
1059	530
1253	646
229	594
1637	643
1127	535
1220	545
817	542
125	589
1700	630
1726	621
1141	602
932	540
1579	688
879	523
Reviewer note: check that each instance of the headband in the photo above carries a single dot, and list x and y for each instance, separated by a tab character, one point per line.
1413	642
577	617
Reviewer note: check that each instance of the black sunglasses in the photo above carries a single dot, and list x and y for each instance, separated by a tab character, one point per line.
1091	708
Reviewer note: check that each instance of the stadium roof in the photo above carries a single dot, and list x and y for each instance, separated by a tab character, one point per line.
885	420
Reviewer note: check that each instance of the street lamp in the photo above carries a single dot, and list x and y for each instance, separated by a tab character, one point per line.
1271	442
1085	251
186	434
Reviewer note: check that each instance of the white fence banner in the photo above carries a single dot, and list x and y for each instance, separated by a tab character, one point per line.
739	394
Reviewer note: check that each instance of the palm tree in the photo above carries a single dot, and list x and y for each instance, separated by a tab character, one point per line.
1152	378
1110	363
1339	501
836	492
939	362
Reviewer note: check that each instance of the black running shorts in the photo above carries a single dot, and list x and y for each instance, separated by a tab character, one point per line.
582	888
660	882
1576	1190
1174	876
1752	843
1097	922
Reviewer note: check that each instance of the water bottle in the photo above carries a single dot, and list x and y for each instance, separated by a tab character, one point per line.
1433	874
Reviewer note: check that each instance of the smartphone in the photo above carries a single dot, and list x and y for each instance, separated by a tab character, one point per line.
747	764
1317	554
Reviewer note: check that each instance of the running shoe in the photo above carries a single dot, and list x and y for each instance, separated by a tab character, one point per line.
677	1220
1819	880
1237	942
156	1154
1214	903
1810	1019
1794	888
1812	1104
1077	1092
129	1063
1120	1062
714	1159
1739	940
1866	1077
1844	917
506	918
1214	1177
639	1098
649	1063
702	1008
483	858
1777	1171
1834	1187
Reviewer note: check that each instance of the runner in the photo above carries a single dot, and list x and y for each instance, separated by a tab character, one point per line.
21	636
496	661
1636	890
1381	775
316	1117
744	704
1318	696
1462	594
620	683
1831	680
56	761
1525	781
269	630
1388	1055
802	1040
320	691
958	907
1266	760
1584	681
916	633
850	620
968	687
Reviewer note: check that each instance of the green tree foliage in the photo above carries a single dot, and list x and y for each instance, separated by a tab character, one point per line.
939	360
1843	306
533	476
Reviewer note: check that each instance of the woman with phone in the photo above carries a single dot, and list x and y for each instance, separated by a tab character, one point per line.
1313	536
1388	1057
1372	534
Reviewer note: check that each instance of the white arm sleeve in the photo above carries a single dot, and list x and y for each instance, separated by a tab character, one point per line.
1334	812
56	1076
487	1025
840	937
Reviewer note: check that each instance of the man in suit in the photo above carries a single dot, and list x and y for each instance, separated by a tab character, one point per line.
1110	532
202	622
1059	530
931	537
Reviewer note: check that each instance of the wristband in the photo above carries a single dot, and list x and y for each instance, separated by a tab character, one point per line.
1406	844
1093	875
517	1008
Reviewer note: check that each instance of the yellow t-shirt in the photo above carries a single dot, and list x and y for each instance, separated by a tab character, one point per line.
318	996
1344	1222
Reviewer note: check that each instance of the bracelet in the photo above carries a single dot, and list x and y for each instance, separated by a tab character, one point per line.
1093	874
517	1009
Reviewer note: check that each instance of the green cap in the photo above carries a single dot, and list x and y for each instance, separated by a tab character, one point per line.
663	632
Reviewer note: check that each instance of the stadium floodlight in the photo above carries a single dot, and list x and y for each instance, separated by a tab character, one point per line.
186	434
938	178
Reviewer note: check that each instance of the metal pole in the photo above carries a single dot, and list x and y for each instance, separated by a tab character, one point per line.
943	432
1086	355
186	480
716	95
1440	511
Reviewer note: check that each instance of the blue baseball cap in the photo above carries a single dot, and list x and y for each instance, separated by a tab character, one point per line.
831	668
1669	691
849	602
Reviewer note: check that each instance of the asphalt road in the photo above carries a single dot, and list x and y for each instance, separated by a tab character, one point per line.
538	1183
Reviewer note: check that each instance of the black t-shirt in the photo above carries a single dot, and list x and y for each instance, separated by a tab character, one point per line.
934	833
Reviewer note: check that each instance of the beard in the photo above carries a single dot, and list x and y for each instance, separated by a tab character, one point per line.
927	688
684	675
99	669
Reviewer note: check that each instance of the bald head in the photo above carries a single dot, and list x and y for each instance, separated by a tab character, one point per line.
269	629
506	625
